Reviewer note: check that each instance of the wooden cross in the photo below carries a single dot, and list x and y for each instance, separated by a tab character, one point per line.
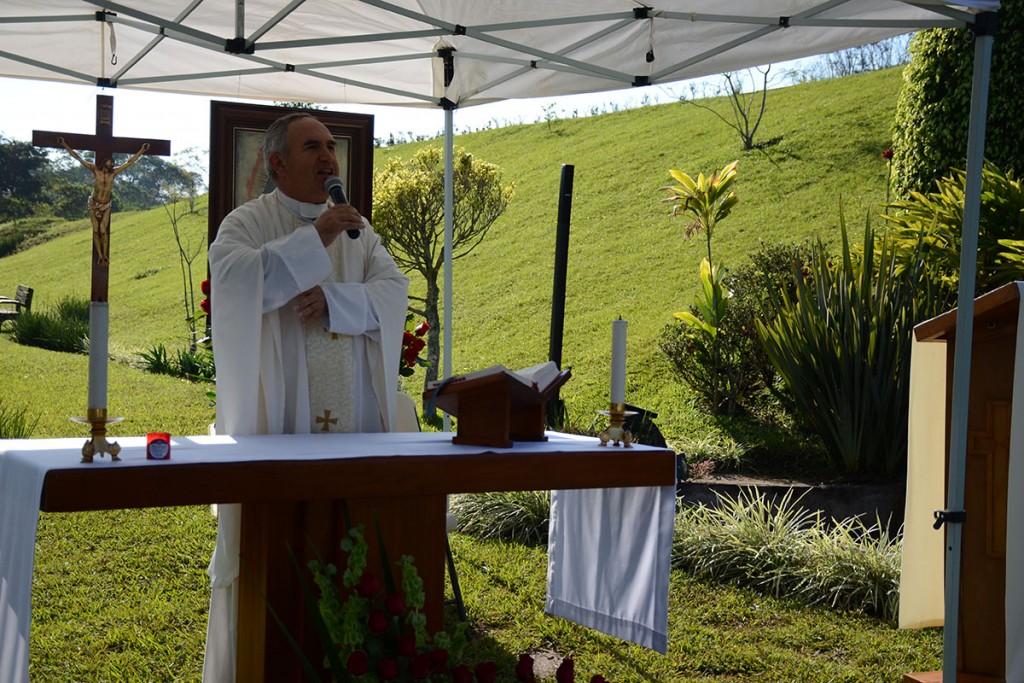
105	145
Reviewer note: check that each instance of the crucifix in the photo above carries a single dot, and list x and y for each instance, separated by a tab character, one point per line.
105	145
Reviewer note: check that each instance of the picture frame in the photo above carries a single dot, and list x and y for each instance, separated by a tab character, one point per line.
237	172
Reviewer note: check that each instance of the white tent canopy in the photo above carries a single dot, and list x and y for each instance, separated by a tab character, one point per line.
378	52
457	53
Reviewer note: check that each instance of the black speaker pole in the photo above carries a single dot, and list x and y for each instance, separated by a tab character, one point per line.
555	408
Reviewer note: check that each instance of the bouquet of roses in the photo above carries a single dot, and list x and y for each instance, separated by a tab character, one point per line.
413	341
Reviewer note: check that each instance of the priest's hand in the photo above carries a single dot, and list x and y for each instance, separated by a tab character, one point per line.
310	306
336	220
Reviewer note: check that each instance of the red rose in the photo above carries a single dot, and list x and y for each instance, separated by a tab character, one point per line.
486	672
887	154
462	674
417	344
438	660
394	604
409	356
357	663
407	338
369	584
378	621
205	305
204	287
566	671
421	329
388	669
524	669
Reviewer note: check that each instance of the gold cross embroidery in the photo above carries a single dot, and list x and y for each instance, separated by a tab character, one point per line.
326	421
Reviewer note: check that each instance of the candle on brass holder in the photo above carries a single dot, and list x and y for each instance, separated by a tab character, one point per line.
98	444
616	433
617	408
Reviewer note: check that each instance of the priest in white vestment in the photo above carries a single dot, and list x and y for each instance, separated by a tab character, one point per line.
307	325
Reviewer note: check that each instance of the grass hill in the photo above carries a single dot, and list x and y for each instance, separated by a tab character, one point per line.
627	256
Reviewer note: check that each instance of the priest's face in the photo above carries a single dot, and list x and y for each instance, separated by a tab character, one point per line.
310	161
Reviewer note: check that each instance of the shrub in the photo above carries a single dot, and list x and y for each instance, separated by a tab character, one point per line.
66	329
785	551
843	348
937	217
193	365
520	516
930	127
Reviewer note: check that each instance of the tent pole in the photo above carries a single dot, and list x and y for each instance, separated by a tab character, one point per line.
449	206
984	30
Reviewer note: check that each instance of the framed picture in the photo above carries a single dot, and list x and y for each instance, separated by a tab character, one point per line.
237	169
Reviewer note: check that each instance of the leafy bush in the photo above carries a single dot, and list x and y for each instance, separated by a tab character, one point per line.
843	348
66	329
783	550
15	424
930	127
937	217
520	516
193	365
744	376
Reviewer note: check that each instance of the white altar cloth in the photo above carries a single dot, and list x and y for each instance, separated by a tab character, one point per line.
24	464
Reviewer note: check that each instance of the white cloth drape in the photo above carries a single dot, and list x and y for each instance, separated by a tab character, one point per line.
19	516
609	558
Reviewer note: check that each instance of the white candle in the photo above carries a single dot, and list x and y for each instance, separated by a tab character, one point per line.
98	325
618	392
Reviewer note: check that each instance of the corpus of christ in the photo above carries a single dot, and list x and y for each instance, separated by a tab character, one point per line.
104	145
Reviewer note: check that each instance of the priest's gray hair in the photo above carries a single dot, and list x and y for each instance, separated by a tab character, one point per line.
275	140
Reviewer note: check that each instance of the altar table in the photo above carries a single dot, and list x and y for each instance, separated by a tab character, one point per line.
401	478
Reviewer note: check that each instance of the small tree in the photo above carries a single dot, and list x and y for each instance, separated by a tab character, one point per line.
707	200
745	120
408	214
173	197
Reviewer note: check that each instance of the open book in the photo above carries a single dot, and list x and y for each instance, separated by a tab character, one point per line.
542	377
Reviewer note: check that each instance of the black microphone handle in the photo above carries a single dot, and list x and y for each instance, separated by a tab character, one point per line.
338	197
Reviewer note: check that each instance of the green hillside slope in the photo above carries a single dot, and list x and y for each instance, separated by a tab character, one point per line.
627	257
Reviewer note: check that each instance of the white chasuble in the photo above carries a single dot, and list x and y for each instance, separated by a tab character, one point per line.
269	381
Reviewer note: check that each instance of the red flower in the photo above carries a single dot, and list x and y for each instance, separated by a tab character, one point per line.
407	338
524	669
369	584
421	329
566	671
462	674
394	604
388	669
438	660
204	287
378	621
887	154
420	667
417	344
357	663
205	305
409	356
486	672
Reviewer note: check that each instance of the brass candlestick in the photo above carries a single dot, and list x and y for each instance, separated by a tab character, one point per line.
98	444
615	432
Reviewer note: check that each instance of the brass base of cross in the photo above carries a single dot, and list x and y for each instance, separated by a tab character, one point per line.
98	444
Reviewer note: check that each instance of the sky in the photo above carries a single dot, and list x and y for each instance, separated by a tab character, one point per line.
29	105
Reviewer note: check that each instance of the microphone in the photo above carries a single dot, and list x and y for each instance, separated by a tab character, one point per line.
336	189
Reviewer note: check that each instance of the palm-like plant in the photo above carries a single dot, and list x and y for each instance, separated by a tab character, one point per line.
707	200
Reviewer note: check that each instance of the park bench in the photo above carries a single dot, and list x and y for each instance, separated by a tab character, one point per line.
10	309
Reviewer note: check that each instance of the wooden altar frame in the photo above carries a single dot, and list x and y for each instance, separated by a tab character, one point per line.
405	492
235	127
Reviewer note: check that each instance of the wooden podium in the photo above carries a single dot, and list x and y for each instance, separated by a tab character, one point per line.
495	409
981	648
